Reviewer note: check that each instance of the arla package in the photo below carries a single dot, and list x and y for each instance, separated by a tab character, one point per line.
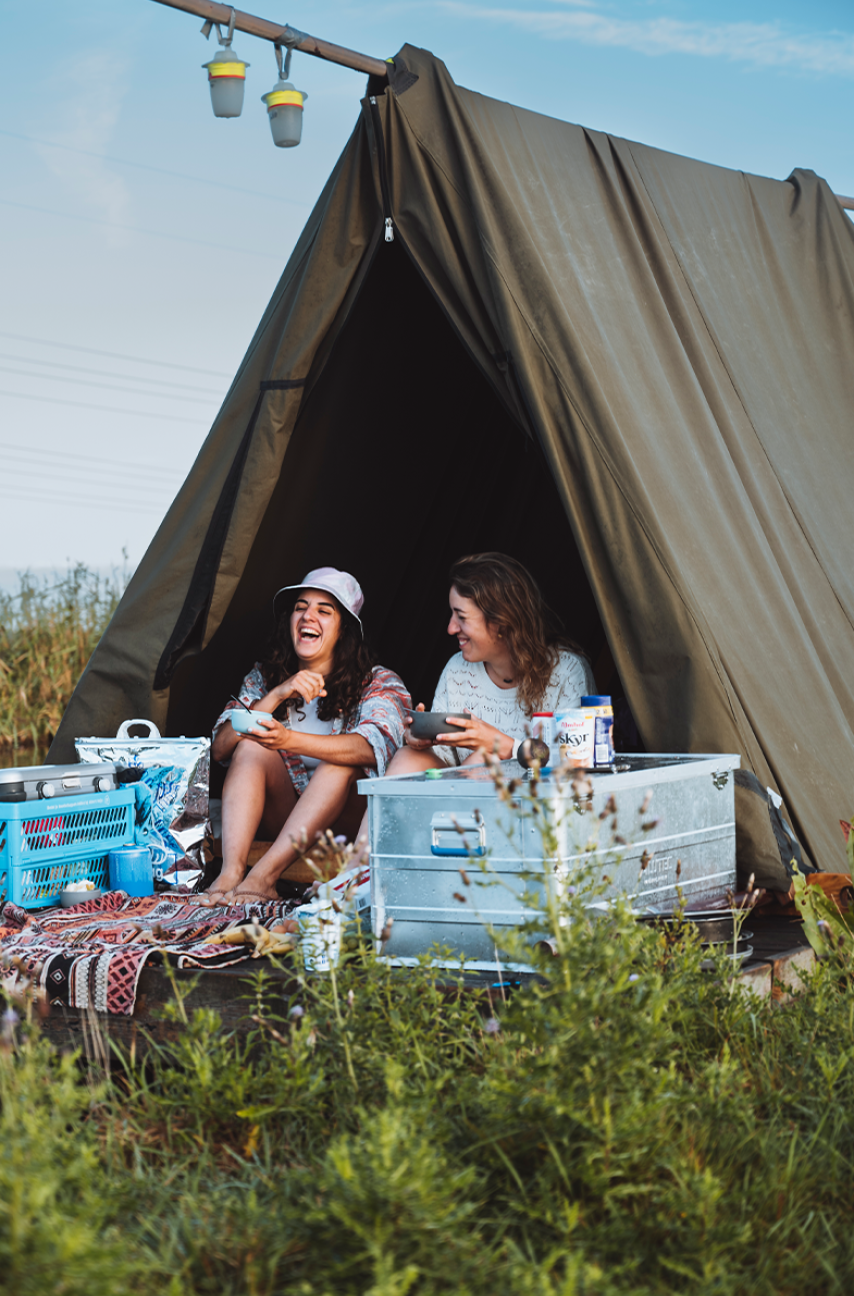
574	733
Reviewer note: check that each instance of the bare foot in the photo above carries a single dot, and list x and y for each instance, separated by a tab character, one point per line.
251	890
220	887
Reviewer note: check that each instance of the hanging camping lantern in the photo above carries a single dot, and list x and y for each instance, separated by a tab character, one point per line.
226	73
284	106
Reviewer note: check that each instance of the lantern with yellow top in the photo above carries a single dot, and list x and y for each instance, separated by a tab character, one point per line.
226	74
284	107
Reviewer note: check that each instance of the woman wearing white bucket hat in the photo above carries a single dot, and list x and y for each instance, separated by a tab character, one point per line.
345	717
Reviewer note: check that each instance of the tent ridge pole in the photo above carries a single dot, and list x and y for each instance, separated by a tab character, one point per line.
279	34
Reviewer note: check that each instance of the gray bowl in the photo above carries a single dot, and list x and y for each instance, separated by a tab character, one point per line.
68	899
429	724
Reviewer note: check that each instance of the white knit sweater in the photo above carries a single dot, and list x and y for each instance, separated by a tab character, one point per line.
466	686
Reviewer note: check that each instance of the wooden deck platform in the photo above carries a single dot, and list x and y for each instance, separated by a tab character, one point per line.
780	952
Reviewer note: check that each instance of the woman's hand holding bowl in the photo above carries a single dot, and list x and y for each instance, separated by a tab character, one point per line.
417	744
477	735
275	735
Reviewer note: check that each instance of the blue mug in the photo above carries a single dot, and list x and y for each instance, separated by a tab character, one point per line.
131	870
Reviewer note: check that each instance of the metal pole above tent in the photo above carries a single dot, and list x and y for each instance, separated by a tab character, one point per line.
287	36
291	38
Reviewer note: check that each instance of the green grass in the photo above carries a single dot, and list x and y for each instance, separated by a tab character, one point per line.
629	1124
48	631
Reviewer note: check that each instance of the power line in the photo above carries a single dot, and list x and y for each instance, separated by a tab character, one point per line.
142	166
43	453
87	382
85	478
113	355
77	502
106	409
137	229
100	373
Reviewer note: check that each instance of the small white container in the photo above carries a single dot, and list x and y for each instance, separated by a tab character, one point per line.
543	727
320	932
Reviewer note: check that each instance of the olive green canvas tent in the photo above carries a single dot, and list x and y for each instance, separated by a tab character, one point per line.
632	370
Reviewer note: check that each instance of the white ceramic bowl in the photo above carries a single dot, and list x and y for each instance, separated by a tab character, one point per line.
243	721
68	899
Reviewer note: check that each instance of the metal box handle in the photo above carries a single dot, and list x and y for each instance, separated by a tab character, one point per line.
448	834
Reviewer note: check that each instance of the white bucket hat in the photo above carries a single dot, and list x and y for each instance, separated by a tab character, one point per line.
345	587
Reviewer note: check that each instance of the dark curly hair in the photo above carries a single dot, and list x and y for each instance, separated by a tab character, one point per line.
353	661
510	599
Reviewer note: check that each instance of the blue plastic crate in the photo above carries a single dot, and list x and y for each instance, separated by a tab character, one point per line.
44	845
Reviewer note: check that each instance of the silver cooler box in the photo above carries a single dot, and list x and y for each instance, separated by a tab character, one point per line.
686	802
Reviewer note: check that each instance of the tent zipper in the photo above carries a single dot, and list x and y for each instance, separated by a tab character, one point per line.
378	136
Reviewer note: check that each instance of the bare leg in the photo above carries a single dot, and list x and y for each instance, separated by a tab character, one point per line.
405	761
257	790
320	806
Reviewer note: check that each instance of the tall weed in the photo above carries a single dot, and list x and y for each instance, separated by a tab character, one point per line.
48	631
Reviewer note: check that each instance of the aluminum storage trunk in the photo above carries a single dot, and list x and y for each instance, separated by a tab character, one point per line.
673	833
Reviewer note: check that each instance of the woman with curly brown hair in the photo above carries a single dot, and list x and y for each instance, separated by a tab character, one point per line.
344	718
512	662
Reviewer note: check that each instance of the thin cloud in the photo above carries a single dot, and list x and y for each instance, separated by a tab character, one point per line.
93	87
761	44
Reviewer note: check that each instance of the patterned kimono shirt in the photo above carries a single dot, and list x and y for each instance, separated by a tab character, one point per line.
379	720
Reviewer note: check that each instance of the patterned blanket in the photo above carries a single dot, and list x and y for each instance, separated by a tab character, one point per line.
92	955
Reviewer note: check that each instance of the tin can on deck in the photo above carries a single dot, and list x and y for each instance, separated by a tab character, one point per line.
542	727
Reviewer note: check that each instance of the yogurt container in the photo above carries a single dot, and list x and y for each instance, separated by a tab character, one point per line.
574	733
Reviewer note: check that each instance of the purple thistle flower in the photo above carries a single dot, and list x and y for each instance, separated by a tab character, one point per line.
296	1012
492	1026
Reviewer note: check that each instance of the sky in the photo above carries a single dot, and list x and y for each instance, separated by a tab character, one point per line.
142	237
